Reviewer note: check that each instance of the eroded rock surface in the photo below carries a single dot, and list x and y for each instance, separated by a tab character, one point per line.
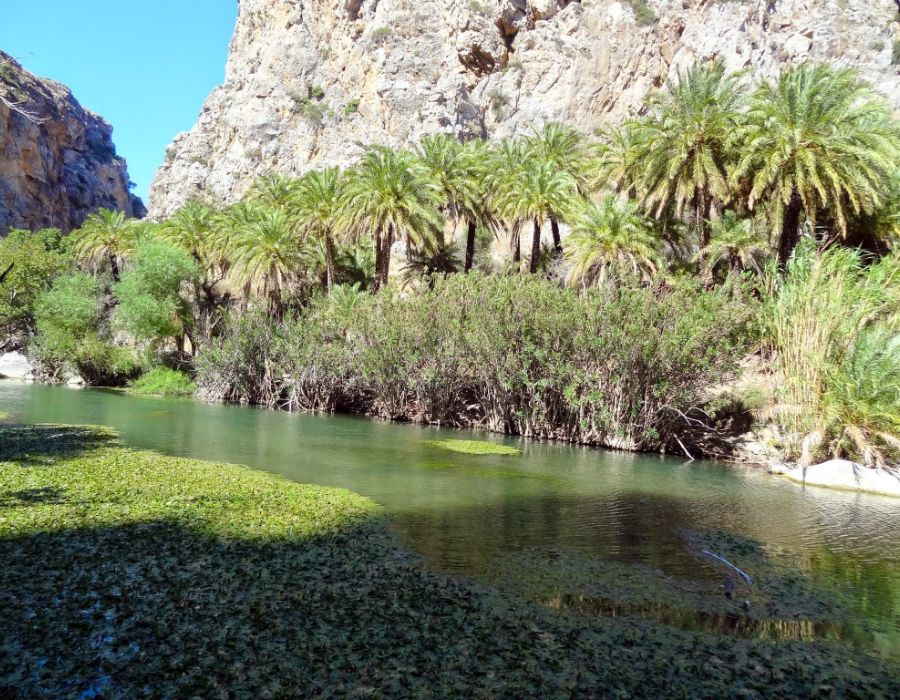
309	82
58	163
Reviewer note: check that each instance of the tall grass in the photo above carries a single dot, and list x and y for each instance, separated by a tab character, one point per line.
832	325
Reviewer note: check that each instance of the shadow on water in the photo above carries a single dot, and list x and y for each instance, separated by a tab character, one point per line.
159	605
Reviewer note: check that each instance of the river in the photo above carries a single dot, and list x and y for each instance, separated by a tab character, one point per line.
462	512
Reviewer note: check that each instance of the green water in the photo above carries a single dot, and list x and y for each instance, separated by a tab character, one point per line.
463	512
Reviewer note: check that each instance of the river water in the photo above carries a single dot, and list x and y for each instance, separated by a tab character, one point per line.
461	512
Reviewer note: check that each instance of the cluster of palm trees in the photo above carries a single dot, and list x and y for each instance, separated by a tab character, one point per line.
714	174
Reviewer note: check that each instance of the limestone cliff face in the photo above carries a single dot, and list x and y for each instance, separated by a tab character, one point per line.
309	82
58	163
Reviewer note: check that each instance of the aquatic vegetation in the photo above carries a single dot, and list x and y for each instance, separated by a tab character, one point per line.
474	447
163	382
125	570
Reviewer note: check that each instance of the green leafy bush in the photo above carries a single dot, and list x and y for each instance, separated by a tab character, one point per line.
163	381
29	263
72	335
156	292
520	355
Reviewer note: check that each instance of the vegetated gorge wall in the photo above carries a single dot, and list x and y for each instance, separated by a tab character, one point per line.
310	82
58	163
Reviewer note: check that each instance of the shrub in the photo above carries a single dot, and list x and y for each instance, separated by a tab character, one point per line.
163	381
155	294
29	263
72	336
520	355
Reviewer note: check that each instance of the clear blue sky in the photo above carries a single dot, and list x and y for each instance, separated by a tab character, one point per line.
144	65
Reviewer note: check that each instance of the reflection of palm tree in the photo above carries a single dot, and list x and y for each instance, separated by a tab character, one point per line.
818	139
106	236
390	194
610	237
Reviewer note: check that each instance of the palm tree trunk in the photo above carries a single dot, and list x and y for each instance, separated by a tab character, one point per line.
790	229
702	208
114	266
329	263
470	245
557	241
516	243
386	255
379	265
535	247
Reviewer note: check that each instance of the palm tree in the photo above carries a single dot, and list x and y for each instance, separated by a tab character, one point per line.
267	257
610	237
688	148
190	229
458	171
535	192
106	236
391	195
507	163
563	148
274	190
317	205
617	158
818	139
736	242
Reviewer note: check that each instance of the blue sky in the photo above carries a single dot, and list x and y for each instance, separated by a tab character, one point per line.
144	65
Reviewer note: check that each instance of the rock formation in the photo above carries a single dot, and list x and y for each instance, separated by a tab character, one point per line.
58	163
309	82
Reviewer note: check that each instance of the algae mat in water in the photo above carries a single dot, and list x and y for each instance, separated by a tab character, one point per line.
474	447
127	574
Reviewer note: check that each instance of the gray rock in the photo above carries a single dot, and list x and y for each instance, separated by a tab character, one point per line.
58	163
14	365
308	83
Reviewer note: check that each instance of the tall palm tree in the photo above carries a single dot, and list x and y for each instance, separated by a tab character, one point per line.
565	149
508	162
267	258
609	237
390	194
617	158
317	205
736	242
190	229
458	171
537	191
273	190
689	149
817	139
106	236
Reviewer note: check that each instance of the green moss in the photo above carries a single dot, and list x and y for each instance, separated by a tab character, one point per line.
163	382
125	571
474	447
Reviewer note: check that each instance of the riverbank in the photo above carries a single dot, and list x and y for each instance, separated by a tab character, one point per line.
128	570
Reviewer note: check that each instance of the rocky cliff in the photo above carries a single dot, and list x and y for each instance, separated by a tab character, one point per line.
58	163
309	82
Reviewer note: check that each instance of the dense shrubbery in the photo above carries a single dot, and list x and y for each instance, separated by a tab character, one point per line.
619	366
